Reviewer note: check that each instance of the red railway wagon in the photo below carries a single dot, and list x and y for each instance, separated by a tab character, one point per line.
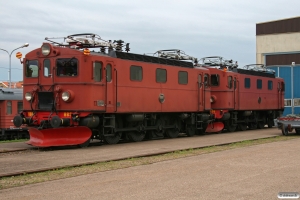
244	97
73	94
11	103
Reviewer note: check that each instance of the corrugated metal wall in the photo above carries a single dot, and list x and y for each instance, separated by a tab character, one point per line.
282	59
285	72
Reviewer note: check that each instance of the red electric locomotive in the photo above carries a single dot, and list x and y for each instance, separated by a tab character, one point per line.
72	94
243	97
10	104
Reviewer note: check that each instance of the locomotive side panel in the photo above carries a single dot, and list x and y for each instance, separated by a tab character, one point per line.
137	90
222	90
181	91
258	93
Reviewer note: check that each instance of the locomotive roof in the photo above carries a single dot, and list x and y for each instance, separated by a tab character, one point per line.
252	69
11	94
153	59
173	57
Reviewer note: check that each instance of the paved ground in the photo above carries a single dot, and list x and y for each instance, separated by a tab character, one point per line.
256	172
26	162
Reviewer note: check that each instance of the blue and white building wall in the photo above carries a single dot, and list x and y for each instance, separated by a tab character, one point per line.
278	48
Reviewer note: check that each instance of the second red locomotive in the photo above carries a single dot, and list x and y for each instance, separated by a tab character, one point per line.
72	94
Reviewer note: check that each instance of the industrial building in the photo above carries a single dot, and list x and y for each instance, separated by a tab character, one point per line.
278	48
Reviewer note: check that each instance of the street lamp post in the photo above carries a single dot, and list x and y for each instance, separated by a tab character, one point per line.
9	71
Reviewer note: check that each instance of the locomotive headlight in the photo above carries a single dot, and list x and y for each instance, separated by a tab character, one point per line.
45	49
28	96
213	99
67	96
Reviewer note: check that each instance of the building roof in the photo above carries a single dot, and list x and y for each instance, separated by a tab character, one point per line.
5	84
278	20
290	25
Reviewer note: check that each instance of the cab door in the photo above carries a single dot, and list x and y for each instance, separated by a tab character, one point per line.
110	87
46	73
201	99
235	92
206	92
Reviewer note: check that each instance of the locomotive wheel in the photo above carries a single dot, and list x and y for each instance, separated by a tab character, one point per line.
172	133
252	125
159	132
113	139
85	144
230	127
260	125
135	136
116	138
190	130
297	131
202	131
242	126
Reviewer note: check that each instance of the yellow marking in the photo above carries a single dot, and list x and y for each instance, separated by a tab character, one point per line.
67	114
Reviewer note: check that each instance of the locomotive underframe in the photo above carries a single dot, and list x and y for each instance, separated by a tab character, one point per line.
252	119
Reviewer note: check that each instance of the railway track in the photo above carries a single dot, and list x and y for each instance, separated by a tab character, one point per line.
40	160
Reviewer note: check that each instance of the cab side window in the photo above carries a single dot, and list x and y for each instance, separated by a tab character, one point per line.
247	83
270	85
161	75
67	67
9	107
183	77
229	80
199	80
47	68
108	73
97	71
136	73
32	68
215	80
206	80
259	84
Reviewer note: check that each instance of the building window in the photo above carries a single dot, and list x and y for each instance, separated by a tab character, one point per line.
247	83
296	102
136	73
20	107
214	79
259	84
108	73
229	80
182	77
97	71
287	102
8	108
270	85
161	75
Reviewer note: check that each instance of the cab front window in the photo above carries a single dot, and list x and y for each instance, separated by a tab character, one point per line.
32	68
67	67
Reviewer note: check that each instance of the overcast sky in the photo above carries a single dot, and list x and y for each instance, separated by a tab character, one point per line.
200	28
